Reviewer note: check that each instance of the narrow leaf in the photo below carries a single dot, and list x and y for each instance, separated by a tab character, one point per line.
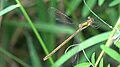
85	64
72	6
13	57
93	58
117	44
112	53
8	9
108	65
101	63
91	4
87	43
33	54
114	2
100	2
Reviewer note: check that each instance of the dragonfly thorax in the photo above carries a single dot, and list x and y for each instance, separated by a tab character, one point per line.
87	23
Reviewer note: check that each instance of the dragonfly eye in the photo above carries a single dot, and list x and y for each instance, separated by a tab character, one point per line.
80	25
91	19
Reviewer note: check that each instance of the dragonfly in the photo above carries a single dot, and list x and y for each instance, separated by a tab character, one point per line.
82	26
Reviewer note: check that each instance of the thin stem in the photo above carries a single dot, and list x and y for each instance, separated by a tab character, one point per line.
108	43
34	30
97	15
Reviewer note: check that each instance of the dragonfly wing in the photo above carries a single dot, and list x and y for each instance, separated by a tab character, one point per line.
75	59
95	25
60	17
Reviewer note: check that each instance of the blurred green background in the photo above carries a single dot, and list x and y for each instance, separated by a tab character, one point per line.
20	47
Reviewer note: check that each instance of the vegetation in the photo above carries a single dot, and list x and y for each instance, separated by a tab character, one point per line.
29	31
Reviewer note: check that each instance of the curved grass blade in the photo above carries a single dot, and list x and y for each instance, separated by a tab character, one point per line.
87	43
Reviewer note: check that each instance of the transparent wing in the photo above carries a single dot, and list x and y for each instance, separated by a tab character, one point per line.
77	56
61	17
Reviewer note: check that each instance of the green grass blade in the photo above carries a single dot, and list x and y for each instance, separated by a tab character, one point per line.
118	66
72	6
117	44
13	57
93	58
33	54
35	31
108	65
87	43
114	2
112	53
101	63
85	10
85	64
8	9
41	7
42	27
100	2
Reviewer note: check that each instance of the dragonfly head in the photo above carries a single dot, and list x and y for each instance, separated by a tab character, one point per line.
90	19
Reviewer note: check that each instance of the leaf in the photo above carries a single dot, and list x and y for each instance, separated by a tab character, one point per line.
87	43
112	53
72	6
85	64
8	9
33	54
118	66
45	27
108	65
113	15
114	2
101	63
93	58
100	2
117	44
13	57
91	4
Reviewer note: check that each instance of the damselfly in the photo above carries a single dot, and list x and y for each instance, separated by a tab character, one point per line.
81	27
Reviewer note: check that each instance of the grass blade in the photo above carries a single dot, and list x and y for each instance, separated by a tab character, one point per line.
101	63
33	54
35	31
114	2
43	27
8	9
85	10
89	42
72	6
100	2
93	58
108	65
85	64
14	57
112	53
